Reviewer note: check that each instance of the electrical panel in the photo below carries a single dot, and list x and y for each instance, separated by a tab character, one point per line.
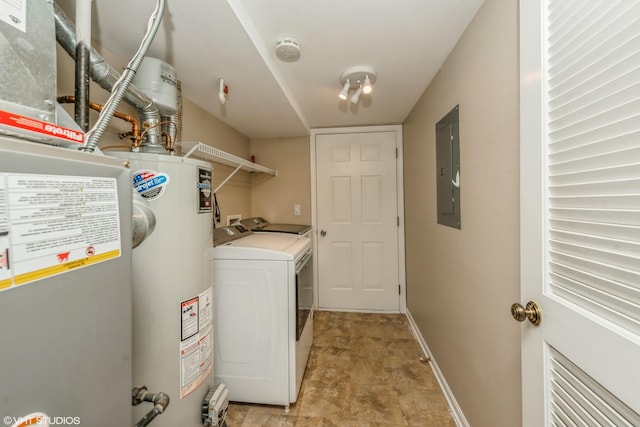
448	169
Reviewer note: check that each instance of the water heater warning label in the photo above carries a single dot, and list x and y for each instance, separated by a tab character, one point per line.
196	346
52	224
204	190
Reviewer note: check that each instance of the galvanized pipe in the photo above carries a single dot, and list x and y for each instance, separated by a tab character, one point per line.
160	403
81	104
83	43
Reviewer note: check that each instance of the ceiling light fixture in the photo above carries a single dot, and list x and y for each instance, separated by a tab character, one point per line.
366	87
344	93
360	78
356	96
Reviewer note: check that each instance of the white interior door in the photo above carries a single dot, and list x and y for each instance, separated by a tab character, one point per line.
580	211
357	219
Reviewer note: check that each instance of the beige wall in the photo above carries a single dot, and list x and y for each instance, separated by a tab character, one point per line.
461	283
274	197
198	125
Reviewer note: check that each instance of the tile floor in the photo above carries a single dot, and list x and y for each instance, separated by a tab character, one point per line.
363	371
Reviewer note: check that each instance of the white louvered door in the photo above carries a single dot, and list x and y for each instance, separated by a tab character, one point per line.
580	211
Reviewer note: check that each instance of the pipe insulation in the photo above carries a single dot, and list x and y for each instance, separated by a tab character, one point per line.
83	21
106	77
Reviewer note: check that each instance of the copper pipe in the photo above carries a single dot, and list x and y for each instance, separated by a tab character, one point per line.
169	143
135	127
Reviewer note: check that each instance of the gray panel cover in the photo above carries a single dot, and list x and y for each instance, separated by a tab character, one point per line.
66	340
447	166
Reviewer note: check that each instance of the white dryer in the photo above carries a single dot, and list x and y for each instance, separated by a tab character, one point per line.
263	321
259	224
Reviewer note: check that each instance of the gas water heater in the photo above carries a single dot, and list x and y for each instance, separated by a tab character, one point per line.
172	285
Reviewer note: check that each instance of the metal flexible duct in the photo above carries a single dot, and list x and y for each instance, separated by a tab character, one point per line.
105	76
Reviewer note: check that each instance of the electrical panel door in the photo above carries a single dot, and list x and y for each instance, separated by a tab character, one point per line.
448	169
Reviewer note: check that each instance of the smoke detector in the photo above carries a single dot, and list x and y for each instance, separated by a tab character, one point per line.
288	49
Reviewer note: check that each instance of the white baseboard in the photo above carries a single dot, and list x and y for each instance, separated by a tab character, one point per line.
454	408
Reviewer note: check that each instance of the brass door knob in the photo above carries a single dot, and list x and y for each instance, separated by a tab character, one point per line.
531	312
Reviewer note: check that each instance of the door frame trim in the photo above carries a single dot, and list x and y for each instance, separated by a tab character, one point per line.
400	200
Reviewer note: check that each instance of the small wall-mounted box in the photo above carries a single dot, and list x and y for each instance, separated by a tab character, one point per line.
231	219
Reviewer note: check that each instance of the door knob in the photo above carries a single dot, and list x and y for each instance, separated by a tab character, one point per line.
323	233
531	312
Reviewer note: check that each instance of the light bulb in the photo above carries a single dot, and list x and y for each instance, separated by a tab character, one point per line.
344	93
356	96
366	87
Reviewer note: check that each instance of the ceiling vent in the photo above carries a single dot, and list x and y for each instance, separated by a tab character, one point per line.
288	49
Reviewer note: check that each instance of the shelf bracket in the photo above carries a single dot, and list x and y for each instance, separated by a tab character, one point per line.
191	150
227	179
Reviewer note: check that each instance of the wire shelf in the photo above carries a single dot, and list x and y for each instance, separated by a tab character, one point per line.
207	152
212	154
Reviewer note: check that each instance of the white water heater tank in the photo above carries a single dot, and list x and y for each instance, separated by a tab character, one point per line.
173	286
158	81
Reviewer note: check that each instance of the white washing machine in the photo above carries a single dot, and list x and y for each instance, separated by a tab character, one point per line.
263	315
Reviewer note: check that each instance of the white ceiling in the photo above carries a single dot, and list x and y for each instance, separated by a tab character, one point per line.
405	41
